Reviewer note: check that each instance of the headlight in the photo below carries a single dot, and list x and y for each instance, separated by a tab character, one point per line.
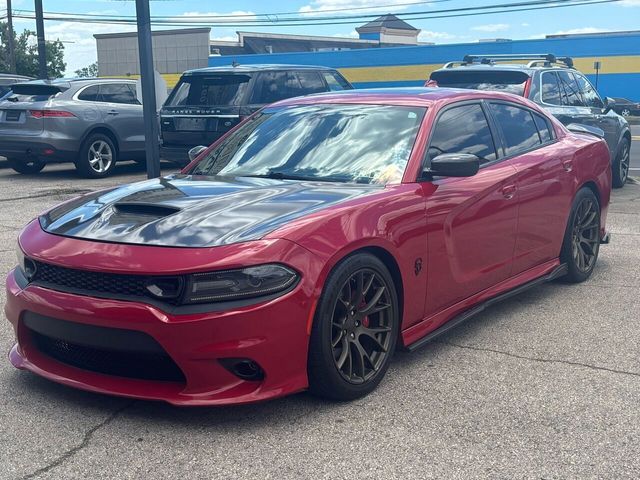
238	284
26	265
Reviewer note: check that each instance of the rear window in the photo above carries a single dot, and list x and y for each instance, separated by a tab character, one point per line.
518	127
34	92
214	90
277	85
504	81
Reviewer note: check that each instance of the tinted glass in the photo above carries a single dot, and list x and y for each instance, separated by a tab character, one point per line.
590	96
215	90
505	81
518	127
550	89
89	94
335	82
311	82
570	92
463	129
274	86
544	129
117	93
344	143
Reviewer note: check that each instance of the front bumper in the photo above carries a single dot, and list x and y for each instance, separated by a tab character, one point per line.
273	334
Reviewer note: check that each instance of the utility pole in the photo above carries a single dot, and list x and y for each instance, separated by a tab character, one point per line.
12	52
148	83
42	51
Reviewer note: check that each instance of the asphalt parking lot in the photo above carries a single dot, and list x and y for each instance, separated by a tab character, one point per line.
545	385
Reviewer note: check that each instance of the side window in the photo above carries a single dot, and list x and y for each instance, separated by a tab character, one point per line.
463	129
311	82
335	82
544	128
550	89
89	94
589	94
117	93
518	127
570	91
274	86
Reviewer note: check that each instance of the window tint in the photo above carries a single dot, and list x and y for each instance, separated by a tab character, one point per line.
89	94
311	82
504	81
570	92
550	89
518	127
117	93
215	90
463	129
274	86
590	96
335	82
544	129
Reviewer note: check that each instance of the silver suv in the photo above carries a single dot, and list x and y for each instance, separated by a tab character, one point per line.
90	122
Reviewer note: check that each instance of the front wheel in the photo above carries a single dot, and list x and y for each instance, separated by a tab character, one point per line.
582	238
26	166
620	166
97	157
355	329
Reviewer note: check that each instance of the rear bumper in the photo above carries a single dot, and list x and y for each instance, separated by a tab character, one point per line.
66	151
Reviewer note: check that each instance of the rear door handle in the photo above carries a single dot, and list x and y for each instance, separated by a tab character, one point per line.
112	112
509	191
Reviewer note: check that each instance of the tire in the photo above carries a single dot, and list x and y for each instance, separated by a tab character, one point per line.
625	112
337	368
97	157
26	166
582	237
620	166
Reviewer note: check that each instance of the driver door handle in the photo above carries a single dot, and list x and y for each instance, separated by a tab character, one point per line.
112	112
509	191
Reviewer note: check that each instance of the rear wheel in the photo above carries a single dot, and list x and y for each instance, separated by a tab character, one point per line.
97	157
582	238
355	329
26	166
620	167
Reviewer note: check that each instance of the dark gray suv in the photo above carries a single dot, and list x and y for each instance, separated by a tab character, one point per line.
552	83
91	122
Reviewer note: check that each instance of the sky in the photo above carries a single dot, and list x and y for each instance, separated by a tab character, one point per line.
80	47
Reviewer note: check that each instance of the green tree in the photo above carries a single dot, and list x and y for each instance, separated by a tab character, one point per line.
26	51
88	71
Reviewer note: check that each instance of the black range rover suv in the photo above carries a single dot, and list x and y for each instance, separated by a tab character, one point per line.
552	83
208	102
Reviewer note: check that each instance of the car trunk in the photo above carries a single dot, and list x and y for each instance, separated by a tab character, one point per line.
15	116
201	108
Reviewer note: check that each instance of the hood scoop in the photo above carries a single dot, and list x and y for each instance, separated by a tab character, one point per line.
144	209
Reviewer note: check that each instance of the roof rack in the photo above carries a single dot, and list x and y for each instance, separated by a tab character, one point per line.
546	59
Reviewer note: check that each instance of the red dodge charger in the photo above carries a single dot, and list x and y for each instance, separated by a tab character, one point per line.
304	247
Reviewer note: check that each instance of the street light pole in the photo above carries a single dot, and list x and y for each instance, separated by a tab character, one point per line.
12	52
147	80
42	51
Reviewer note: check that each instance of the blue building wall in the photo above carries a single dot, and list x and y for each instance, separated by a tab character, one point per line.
619	55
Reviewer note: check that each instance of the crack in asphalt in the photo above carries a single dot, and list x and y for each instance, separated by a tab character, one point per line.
49	193
538	359
85	442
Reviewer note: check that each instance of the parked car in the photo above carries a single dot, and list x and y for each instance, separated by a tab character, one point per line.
90	122
208	102
304	247
552	83
8	79
626	107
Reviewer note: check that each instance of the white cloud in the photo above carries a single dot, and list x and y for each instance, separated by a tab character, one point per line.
492	27
524	24
630	3
429	36
319	7
580	30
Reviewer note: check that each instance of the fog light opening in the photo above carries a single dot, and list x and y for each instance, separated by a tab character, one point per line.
243	368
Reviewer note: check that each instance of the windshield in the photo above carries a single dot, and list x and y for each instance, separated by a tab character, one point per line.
344	143
215	90
504	81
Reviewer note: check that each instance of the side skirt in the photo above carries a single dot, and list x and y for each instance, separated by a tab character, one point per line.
560	271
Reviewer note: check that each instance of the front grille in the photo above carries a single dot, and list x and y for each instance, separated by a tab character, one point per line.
95	283
109	351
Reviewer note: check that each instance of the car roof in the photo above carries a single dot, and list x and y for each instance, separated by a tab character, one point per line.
408	96
254	68
14	76
506	67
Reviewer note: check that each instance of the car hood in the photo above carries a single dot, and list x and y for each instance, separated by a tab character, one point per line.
190	211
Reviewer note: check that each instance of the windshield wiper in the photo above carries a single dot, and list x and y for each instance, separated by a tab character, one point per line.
288	176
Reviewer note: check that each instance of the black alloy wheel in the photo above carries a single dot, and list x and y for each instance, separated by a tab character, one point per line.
355	329
582	238
620	167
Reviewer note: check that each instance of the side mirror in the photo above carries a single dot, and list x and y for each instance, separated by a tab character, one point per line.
454	165
195	152
609	103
